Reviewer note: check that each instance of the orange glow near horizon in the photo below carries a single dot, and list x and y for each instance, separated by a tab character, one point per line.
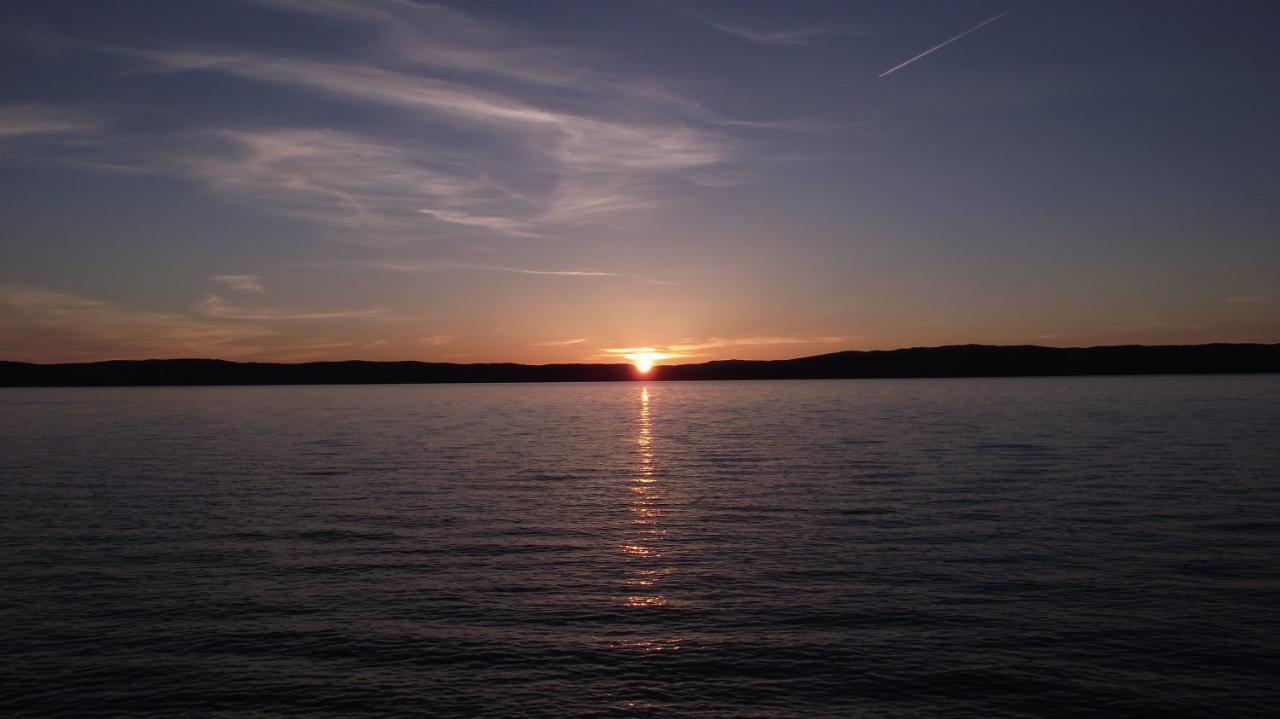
644	359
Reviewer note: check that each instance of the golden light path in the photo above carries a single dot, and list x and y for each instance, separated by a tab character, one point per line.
647	567
644	514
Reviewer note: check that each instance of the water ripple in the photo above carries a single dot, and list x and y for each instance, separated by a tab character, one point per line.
952	548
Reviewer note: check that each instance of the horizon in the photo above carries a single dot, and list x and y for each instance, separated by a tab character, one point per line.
622	362
294	181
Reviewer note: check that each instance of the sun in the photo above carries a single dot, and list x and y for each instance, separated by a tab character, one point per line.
643	359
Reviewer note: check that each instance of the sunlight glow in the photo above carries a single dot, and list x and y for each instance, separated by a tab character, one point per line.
644	358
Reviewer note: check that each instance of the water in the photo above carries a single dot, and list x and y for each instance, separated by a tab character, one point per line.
943	548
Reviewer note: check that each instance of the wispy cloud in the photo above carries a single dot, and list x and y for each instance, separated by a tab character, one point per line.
437	340
218	307
572	145
445	265
314	350
588	200
539	137
553	273
451	100
375	192
432	35
241	283
691	347
500	224
765	35
1147	323
26	120
366	190
633	354
428	37
45	326
560	343
944	43
719	342
1245	299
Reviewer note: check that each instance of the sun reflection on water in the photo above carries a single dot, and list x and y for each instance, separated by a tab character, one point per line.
643	579
649	645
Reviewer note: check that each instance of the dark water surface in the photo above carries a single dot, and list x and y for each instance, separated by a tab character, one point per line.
949	548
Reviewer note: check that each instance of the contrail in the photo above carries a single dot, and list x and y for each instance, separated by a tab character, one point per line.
945	43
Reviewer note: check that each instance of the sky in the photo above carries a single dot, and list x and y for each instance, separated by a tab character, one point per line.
297	180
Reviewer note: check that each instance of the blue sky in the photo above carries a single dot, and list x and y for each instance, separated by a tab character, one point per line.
578	181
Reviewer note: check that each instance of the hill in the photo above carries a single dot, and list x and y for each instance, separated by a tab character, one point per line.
950	361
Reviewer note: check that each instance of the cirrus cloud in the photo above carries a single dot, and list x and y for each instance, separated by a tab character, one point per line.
40	325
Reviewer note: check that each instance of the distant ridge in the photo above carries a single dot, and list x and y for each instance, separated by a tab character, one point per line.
949	361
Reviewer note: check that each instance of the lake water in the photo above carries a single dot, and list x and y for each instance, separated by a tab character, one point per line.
942	548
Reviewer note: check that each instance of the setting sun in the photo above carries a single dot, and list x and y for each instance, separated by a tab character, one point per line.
643	358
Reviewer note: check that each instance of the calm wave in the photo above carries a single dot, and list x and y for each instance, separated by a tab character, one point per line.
957	548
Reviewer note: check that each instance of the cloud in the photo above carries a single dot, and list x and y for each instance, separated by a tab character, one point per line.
458	102
501	224
21	120
361	190
1245	299
793	35
578	142
442	265
694	347
437	340
716	343
520	171
215	306
559	343
464	129
423	36
576	138
634	354
429	34
368	191
586	201
38	325
241	283
314	350
538	137
1145	323
553	273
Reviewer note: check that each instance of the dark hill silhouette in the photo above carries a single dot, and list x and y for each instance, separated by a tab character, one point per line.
951	361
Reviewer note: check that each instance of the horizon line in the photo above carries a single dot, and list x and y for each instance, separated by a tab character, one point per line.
656	364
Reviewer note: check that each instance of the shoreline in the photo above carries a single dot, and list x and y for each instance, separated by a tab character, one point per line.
954	361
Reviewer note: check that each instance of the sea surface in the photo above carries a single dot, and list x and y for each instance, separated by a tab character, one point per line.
1036	547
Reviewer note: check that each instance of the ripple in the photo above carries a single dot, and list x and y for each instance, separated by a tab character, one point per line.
958	548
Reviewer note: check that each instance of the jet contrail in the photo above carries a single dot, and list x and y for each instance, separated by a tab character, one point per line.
945	43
